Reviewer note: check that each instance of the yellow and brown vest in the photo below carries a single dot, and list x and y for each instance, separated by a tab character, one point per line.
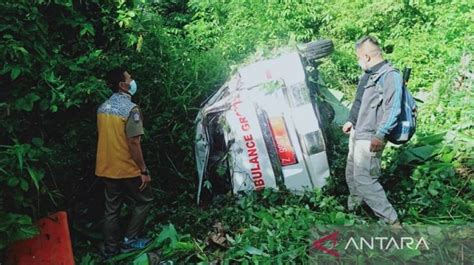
113	155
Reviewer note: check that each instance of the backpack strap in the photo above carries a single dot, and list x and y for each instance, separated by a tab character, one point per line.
381	79
375	77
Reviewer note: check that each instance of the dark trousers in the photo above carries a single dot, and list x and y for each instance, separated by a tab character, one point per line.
115	191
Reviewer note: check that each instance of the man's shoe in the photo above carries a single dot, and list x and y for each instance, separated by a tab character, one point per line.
132	244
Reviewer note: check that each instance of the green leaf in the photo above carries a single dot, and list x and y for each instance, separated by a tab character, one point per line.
448	157
36	176
255	251
432	191
24	185
50	77
75	68
16	71
168	232
24	219
467	138
26	103
19	151
12	181
407	253
87	29
418	153
340	217
432	139
141	260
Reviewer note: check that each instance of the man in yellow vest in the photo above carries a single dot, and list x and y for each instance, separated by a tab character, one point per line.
121	165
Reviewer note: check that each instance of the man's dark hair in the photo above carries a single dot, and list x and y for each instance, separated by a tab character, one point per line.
114	77
365	39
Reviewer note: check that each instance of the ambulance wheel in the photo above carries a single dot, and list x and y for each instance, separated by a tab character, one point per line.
316	49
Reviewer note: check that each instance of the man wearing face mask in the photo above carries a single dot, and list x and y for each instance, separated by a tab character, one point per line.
373	115
121	165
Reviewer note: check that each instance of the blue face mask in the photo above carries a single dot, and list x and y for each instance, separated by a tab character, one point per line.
133	88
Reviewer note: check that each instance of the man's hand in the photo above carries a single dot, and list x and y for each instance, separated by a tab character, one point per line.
376	145
347	127
146	179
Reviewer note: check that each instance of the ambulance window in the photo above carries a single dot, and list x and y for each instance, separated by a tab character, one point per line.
314	142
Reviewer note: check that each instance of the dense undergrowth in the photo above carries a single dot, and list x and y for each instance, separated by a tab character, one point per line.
55	54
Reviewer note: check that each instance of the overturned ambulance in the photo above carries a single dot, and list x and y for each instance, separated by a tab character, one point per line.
264	128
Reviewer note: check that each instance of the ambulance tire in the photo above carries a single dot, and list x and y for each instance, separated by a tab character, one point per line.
317	49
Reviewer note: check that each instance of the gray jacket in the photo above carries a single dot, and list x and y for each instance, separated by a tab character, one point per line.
380	104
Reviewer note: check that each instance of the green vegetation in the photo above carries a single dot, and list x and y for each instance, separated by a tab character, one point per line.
55	55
